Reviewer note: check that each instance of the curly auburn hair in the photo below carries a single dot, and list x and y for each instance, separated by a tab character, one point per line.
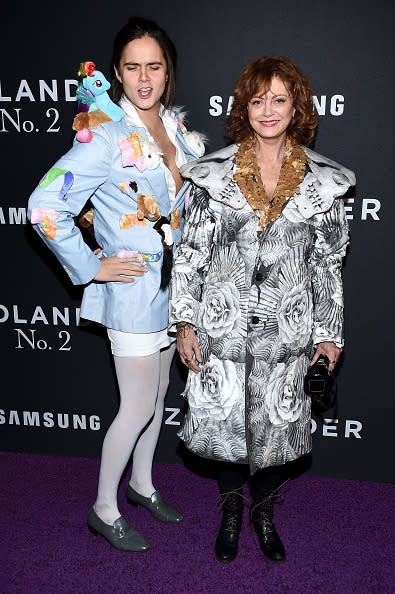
256	79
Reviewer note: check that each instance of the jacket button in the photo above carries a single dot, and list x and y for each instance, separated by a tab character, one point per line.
259	277
255	320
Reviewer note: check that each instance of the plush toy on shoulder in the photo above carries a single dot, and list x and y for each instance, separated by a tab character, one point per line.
95	107
94	104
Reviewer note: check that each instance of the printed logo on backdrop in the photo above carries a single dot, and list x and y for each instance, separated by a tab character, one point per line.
343	428
18	110
40	328
50	420
65	420
15	117
324	104
365	209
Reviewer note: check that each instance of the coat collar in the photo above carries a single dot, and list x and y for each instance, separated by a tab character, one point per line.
176	134
214	173
170	121
324	181
190	154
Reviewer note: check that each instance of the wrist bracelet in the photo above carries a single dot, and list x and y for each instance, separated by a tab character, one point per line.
182	327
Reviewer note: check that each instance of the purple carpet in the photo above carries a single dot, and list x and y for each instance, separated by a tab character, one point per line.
337	534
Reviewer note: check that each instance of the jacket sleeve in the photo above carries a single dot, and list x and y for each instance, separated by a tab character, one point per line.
192	258
332	238
61	195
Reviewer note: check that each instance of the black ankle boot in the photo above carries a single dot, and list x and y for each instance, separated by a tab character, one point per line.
261	521
228	535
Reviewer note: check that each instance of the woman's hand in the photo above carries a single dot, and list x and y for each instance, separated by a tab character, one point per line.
112	268
330	350
188	347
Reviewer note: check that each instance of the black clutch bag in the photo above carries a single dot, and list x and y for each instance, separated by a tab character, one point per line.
319	385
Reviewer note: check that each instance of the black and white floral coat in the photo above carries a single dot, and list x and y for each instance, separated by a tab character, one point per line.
259	305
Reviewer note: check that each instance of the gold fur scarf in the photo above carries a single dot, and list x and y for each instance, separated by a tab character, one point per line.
248	178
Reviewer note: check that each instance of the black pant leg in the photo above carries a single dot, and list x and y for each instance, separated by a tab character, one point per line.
267	480
231	476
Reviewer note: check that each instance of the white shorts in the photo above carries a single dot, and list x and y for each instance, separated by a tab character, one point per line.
130	344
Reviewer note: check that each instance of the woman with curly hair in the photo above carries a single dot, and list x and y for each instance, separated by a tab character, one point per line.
256	294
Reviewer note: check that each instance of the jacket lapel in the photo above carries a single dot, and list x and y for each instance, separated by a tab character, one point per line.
214	173
156	180
189	153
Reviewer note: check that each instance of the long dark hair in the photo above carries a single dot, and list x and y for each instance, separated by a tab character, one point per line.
136	28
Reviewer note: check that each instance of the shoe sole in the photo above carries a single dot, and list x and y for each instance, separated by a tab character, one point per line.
96	533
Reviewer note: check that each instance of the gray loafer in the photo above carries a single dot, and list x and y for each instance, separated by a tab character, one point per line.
159	508
121	535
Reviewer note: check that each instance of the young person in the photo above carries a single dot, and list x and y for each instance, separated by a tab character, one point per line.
130	171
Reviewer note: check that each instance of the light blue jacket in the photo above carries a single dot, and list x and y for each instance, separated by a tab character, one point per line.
94	170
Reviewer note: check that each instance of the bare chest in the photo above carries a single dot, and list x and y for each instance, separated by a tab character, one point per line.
270	173
169	155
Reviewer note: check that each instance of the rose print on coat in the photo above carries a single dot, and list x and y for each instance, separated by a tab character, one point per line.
294	313
183	309
220	305
213	392
289	287
284	303
283	403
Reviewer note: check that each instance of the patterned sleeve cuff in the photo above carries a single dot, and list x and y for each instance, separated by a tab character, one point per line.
322	334
182	309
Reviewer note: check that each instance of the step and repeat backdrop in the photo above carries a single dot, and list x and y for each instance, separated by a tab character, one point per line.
58	392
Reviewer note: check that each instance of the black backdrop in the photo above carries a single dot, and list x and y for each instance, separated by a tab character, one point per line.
57	387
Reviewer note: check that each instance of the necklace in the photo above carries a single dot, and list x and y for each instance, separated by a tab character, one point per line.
248	178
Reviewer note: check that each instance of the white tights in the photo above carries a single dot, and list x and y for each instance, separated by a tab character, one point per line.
143	383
